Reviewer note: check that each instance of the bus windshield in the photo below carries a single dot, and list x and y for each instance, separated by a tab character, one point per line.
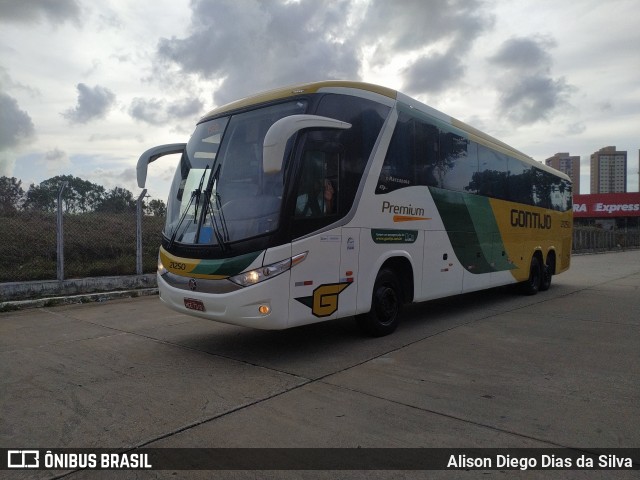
220	193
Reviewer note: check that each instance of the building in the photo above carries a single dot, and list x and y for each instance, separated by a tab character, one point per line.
609	171
607	210
567	164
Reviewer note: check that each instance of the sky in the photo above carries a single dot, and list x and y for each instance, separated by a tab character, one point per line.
86	87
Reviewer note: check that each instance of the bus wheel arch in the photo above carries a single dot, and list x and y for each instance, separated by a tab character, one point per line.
393	286
402	269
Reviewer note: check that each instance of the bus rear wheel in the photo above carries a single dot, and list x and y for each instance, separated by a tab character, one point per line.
386	303
531	286
547	273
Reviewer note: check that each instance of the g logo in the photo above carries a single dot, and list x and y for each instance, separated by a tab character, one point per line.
324	301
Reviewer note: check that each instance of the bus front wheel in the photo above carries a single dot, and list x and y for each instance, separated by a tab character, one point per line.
386	303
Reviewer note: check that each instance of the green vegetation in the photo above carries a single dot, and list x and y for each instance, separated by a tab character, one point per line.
99	230
78	196
95	244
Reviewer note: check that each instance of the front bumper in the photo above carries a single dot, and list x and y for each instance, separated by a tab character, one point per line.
238	306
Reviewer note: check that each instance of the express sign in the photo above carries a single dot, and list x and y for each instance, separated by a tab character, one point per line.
607	205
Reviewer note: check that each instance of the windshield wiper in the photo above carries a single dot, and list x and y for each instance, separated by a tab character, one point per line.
198	192
195	195
223	221
221	232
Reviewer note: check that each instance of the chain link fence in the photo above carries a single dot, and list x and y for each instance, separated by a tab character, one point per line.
110	244
38	246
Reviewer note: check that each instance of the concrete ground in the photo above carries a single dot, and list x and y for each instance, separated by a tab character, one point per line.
488	369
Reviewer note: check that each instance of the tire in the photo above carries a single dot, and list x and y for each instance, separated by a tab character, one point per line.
545	281
386	304
531	286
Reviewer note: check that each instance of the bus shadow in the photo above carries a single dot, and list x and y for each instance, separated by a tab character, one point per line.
316	350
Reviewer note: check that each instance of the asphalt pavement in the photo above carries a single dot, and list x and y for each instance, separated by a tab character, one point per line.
487	369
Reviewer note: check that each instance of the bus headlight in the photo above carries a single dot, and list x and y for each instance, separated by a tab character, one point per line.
161	269
267	271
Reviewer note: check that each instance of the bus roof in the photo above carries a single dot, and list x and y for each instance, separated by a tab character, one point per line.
299	89
315	87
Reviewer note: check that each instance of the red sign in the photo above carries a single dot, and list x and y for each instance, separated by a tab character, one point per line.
606	205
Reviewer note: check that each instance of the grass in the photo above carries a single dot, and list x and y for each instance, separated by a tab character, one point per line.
94	245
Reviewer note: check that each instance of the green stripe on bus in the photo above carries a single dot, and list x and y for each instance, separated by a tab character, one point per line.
486	227
472	230
226	266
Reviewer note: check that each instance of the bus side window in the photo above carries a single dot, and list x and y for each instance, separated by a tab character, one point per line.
458	162
412	157
493	175
427	154
399	166
318	189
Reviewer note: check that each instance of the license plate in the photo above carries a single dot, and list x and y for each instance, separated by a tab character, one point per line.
194	304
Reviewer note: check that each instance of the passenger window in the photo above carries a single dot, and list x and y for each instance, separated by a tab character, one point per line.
427	146
425	151
458	162
399	166
492	179
412	157
520	182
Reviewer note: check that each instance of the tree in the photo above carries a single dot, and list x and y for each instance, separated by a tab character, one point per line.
79	195
157	208
11	194
117	200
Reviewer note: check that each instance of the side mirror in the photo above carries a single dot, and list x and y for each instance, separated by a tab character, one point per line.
153	154
275	140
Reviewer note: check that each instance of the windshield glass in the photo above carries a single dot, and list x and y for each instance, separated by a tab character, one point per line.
220	193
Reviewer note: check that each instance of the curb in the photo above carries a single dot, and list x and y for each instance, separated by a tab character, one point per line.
75	299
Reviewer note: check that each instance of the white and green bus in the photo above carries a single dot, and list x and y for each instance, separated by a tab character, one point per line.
335	199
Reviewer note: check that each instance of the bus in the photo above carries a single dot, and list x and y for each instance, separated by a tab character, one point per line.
337	199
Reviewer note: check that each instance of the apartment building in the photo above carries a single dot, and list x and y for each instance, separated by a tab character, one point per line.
609	171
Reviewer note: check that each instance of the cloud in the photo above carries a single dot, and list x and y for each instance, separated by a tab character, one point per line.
277	44
17	126
185	108
525	54
575	128
53	161
409	25
33	11
93	103
529	92
157	112
55	155
432	74
437	35
529	99
8	84
286	42
150	111
6	166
